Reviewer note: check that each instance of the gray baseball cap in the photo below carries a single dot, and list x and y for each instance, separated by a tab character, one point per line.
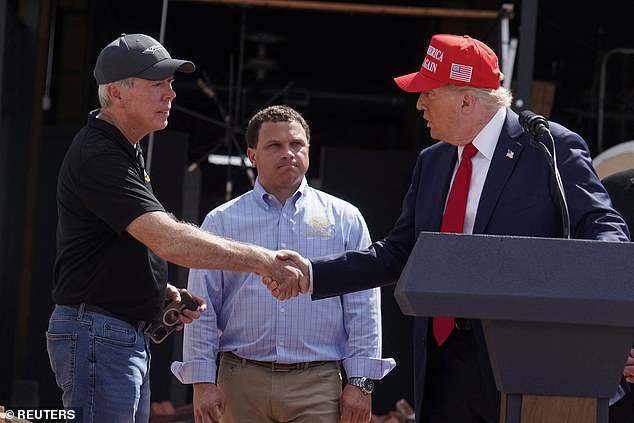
139	56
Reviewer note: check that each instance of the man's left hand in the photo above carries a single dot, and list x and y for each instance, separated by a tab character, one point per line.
187	316
355	406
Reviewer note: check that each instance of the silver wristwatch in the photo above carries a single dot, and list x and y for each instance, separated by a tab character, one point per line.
366	385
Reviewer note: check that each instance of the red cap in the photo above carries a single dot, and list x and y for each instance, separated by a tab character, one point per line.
456	60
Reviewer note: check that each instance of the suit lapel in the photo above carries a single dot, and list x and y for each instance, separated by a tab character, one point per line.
447	162
507	153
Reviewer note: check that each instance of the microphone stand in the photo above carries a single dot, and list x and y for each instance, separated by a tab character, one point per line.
552	161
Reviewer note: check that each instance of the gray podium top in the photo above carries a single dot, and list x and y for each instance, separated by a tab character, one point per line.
519	278
557	314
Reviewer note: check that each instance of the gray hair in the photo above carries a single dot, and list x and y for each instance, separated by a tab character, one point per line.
102	91
492	99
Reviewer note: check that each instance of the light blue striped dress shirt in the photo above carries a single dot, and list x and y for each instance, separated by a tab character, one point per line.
243	317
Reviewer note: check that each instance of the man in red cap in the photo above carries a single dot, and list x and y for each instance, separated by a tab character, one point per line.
484	177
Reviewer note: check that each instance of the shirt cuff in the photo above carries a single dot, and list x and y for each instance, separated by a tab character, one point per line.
372	368
198	371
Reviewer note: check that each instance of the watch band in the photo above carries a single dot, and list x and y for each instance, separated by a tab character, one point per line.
365	384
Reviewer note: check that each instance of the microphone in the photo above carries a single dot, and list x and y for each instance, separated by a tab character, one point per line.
537	126
533	123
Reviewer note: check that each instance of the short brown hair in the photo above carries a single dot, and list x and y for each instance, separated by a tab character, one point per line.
276	113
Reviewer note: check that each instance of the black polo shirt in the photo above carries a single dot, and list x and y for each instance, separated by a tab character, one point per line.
101	188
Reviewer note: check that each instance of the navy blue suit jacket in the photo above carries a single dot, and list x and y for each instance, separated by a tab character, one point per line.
519	198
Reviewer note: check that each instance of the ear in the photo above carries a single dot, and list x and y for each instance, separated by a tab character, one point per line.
114	92
468	102
251	156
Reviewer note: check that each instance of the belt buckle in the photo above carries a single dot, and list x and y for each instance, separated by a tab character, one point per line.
280	367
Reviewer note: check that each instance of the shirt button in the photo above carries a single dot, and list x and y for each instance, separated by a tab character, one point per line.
282	310
281	342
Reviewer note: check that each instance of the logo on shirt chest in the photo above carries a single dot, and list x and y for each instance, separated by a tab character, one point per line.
320	227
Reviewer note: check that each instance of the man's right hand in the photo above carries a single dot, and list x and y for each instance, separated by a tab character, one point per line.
284	288
209	403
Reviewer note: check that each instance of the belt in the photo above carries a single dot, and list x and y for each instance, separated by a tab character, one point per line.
276	367
463	325
94	308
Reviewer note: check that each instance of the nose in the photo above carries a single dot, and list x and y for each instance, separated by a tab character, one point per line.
288	152
169	92
421	104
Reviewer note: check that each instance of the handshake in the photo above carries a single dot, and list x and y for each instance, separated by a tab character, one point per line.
288	275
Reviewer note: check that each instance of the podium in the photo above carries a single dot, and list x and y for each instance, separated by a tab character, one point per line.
557	315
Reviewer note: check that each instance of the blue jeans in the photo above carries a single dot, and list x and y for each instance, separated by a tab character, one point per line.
101	363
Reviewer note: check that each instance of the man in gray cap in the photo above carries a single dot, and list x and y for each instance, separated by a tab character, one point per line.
114	238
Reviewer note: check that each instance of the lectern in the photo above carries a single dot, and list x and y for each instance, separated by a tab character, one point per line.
557	314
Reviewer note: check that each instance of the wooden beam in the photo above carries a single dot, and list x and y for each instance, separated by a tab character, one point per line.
323	6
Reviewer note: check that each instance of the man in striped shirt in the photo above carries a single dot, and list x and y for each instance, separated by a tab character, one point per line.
280	361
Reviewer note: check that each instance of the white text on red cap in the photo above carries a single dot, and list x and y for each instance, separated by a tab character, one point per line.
434	53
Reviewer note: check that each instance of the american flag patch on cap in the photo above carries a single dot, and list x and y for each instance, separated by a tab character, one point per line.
460	72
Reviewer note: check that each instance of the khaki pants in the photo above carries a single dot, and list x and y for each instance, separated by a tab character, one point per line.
256	394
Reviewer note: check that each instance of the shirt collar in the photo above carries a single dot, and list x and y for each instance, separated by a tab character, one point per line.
267	200
487	138
114	133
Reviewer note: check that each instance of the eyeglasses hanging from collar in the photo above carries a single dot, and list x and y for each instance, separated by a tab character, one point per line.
141	161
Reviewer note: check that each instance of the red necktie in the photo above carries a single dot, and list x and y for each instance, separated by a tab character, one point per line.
453	221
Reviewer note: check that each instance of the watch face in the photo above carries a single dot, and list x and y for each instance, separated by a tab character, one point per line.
366	385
